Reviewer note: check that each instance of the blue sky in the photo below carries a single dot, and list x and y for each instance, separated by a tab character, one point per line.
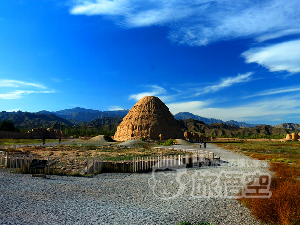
219	59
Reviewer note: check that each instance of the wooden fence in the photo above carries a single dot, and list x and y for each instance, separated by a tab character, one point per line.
90	166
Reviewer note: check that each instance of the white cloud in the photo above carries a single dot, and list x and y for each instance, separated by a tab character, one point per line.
227	82
275	35
21	93
106	7
199	22
17	83
267	109
15	94
190	106
275	91
155	91
278	57
11	89
114	108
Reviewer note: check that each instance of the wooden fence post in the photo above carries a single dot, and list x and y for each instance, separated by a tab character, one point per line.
48	165
16	161
133	165
87	167
142	164
94	166
10	163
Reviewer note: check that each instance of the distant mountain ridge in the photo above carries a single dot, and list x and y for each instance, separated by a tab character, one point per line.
291	126
27	120
78	116
86	115
225	130
94	121
187	115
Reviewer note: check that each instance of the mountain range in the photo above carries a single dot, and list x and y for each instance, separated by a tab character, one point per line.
291	126
86	115
225	130
81	116
187	115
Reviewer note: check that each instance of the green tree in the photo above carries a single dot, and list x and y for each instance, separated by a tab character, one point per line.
7	125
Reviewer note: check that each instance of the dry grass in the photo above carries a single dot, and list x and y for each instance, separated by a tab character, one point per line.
284	205
105	152
8	142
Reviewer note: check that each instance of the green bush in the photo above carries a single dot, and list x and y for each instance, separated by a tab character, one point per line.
7	125
169	142
143	139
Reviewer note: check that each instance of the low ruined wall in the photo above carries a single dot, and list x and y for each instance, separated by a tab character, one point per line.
241	140
12	134
37	133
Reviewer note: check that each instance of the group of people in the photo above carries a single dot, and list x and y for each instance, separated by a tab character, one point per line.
202	142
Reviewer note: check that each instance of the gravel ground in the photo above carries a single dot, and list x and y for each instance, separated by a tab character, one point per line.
150	198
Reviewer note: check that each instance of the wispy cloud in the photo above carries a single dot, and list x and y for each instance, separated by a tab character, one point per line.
275	91
278	57
189	106
16	89
266	109
227	82
114	108
21	93
189	90
17	84
201	22
98	7
154	91
15	94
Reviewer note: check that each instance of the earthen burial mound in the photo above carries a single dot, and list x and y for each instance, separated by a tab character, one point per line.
149	118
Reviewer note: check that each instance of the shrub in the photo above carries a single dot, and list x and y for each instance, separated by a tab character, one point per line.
169	142
143	139
7	125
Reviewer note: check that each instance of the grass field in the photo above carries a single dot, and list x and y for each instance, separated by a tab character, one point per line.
284	205
7	142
